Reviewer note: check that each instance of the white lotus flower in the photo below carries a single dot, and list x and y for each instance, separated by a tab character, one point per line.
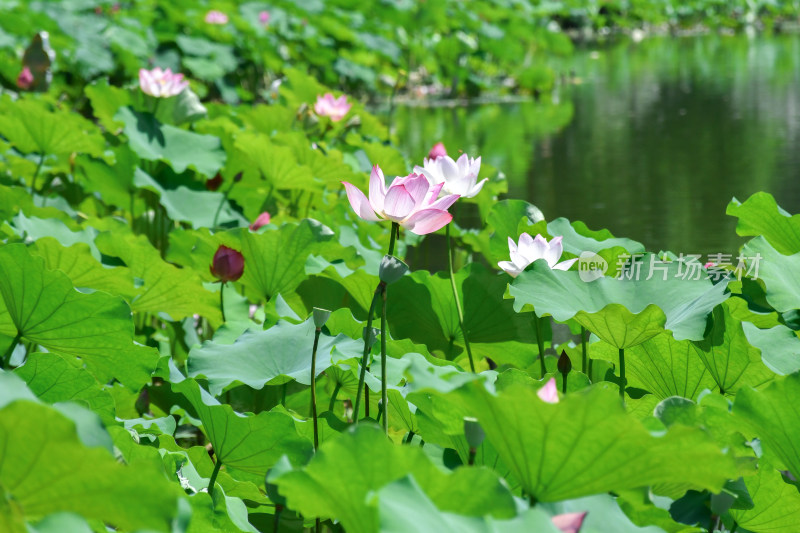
530	249
459	177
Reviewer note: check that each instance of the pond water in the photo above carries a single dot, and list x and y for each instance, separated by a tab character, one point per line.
650	140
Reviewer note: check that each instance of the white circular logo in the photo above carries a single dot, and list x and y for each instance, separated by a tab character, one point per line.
591	266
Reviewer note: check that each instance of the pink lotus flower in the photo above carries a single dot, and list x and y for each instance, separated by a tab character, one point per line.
459	177
25	79
437	151
263	17
410	201
530	249
161	83
569	522
549	393
262	220
216	17
335	108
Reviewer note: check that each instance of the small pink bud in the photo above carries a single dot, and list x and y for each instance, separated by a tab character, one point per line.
227	265
569	522
437	151
708	265
25	79
549	393
262	220
214	183
263	17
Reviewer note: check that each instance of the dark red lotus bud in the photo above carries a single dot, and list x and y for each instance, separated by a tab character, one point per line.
25	79
214	183
227	265
564	364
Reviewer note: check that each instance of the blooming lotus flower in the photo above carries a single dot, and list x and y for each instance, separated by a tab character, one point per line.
411	201
161	83
458	177
262	220
216	17
549	393
569	522
530	249
438	150
25	79
263	17
227	265
335	108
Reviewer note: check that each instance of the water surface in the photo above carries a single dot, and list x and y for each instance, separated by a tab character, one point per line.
650	140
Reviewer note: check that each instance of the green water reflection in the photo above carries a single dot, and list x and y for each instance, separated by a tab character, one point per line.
651	141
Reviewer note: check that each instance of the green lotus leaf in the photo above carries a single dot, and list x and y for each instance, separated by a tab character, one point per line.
164	288
46	469
730	359
45	309
248	445
779	345
761	215
30	127
337	482
274	260
772	413
780	273
404	506
623	312
420	307
60	522
179	148
260	159
662	366
777	504
276	355
83	269
587	444
53	380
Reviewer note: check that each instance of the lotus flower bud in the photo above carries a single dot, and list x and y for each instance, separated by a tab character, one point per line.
25	79
320	316
214	183
473	432
437	151
262	220
569	522
227	265
391	269
564	363
263	17
549	393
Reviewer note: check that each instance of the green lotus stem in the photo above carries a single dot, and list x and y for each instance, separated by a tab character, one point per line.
221	203
472	453
6	361
564	383
213	479
622	374
222	301
584	363
36	174
317	331
410	437
384	392
365	356
540	341
317	526
455	297
277	523
332	403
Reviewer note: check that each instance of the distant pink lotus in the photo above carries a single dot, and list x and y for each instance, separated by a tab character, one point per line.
529	250
569	522
411	201
161	83
335	108
438	150
25	79
549	393
216	17
263	17
262	220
